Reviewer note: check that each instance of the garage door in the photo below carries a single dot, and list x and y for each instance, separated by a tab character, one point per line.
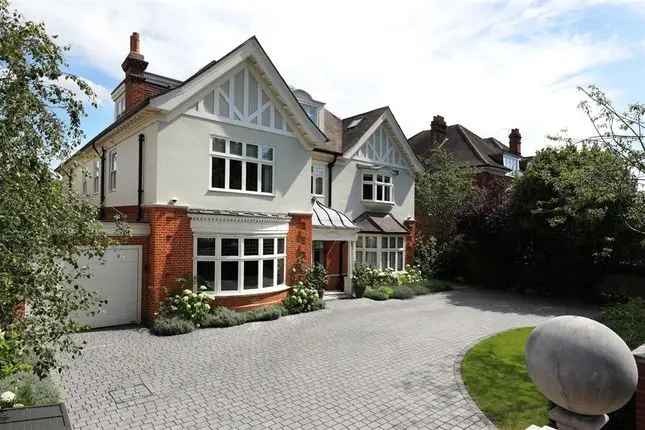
116	278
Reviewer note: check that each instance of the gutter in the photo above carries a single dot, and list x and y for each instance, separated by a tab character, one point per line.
142	139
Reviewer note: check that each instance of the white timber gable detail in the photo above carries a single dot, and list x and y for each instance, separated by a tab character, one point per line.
241	98
381	148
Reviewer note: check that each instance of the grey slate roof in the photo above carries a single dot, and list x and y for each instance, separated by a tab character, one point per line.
248	214
380	223
465	146
352	135
327	217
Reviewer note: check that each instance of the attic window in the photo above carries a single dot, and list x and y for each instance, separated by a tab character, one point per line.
355	122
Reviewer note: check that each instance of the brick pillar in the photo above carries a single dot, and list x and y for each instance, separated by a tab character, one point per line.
170	254
410	240
639	354
298	244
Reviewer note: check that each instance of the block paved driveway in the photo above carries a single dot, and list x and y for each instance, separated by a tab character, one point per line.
357	364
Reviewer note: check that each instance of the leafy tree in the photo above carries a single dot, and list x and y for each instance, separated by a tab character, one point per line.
44	227
441	191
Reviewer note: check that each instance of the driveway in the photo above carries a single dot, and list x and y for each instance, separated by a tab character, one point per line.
357	364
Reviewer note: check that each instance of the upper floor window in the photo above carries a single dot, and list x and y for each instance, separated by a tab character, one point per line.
97	176
317	179
377	187
113	170
240	166
119	106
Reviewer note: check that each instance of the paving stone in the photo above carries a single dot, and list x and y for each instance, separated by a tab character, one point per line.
357	364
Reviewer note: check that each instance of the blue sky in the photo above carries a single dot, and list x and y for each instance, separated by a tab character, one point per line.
488	65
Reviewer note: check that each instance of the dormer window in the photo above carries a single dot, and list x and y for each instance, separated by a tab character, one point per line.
377	187
312	112
513	163
119	107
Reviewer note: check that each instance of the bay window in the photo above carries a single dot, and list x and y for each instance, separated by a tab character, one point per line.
240	166
238	264
377	187
381	251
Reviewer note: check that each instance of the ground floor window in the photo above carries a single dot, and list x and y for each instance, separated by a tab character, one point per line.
381	251
319	252
238	264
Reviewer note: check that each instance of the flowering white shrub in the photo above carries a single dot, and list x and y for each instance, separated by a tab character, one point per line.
302	299
188	305
7	399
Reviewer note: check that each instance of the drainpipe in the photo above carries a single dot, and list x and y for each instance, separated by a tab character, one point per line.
142	139
330	166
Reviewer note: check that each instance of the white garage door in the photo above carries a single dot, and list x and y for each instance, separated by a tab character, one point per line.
116	278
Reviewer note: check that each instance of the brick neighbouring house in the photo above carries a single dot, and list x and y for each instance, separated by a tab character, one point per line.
232	176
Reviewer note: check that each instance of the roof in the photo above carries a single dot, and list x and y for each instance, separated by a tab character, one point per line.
352	135
465	146
326	217
381	223
247	214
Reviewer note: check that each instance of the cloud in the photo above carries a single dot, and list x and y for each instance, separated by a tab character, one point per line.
488	65
101	97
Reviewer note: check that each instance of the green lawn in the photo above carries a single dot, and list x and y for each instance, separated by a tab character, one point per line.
495	373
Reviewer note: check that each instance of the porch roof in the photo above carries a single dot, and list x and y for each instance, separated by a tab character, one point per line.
326	217
381	223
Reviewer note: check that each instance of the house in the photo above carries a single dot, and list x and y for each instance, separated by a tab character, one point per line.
234	177
490	157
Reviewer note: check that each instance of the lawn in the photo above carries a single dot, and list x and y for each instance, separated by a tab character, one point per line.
495	373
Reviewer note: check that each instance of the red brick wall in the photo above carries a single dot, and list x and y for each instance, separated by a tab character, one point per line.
245	303
298	244
410	241
137	90
170	254
640	395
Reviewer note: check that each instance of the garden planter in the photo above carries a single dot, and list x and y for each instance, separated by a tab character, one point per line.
50	417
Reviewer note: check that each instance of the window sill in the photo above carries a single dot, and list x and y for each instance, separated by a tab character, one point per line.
248	193
375	204
254	292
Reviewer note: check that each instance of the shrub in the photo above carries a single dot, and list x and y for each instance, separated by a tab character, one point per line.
264	314
223	317
412	275
187	305
420	289
171	326
387	290
302	299
12	355
628	320
403	292
31	390
316	279
437	285
364	277
376	294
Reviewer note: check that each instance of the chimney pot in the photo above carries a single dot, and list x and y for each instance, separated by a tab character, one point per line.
515	141
134	42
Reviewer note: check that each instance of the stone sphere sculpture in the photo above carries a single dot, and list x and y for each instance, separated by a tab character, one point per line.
581	365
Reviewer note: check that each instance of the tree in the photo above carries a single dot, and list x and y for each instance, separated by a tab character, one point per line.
44	227
441	191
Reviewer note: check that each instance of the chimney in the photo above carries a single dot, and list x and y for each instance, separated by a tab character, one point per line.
437	130
515	141
136	88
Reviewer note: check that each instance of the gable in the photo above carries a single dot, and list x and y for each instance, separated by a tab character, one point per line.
240	97
381	148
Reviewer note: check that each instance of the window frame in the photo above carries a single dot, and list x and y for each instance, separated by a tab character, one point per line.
96	179
375	184
315	176
244	159
113	169
241	259
119	106
362	249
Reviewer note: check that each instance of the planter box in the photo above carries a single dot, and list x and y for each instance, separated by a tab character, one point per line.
46	417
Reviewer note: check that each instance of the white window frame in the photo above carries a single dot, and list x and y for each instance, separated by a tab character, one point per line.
113	164
375	183
318	170
398	251
218	258
512	163
119	106
227	156
311	109
97	177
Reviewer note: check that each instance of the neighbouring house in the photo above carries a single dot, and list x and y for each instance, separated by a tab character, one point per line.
490	157
234	177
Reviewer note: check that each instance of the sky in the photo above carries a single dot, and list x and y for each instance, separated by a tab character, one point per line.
487	65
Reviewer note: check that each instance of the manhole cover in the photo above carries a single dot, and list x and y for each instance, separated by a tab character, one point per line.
133	392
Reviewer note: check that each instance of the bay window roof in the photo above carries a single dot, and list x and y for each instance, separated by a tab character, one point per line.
371	222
